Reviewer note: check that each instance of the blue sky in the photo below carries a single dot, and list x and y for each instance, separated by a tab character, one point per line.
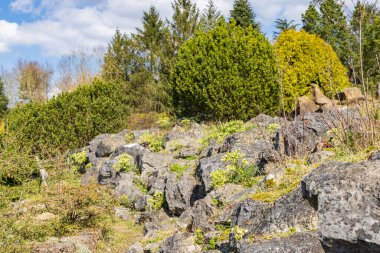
44	30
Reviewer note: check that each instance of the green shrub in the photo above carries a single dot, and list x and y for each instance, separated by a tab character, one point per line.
220	131
70	120
306	59
79	161
226	73
157	201
125	163
199	237
164	121
238	171
153	141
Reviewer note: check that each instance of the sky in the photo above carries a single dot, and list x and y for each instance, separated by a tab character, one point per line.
44	30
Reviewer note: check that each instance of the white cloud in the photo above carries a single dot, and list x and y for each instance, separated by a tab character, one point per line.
64	25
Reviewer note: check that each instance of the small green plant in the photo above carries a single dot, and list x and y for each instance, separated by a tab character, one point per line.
129	137
238	171
272	128
238	232
218	202
186	123
199	237
126	202
220	131
140	185
179	169
79	161
211	245
157	201
153	141
125	163
164	121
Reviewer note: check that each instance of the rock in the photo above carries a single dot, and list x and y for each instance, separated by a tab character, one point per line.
136	248
60	247
180	243
123	213
201	210
320	156
178	192
306	105
347	197
44	176
289	211
227	193
350	94
107	174
104	145
125	186
275	174
208	165
307	242
185	140
320	99
375	156
305	134
154	170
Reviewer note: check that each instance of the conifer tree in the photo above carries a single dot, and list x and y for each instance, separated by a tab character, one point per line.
185	21
210	16
311	20
243	14
283	25
151	39
3	99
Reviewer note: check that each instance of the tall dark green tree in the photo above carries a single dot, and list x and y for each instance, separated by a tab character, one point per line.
283	25
243	14
330	24
3	99
311	20
151	39
185	21
210	16
121	59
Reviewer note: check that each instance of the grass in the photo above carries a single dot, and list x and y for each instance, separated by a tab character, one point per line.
289	182
291	231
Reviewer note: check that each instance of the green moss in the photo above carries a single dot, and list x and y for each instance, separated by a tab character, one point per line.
272	128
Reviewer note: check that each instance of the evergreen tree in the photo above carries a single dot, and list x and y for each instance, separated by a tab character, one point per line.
210	16
121	59
185	21
243	14
283	25
311	20
151	38
3	99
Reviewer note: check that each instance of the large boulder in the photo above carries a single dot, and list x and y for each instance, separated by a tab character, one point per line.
307	242
320	99
288	212
306	105
347	197
351	94
180	243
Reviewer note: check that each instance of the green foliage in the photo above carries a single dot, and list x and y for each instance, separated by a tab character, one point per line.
177	168
220	131
283	25
272	128
3	99
126	202
153	141
70	120
125	163
210	16
238	171
164	121
199	237
226	73
238	232
129	137
243	14
157	201
79	160
305	59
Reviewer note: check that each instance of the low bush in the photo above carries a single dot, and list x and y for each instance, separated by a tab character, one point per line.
220	131
155	142
70	120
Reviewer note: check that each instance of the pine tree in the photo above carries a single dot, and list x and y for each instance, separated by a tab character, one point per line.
185	21
3	99
210	16
151	39
311	20
283	25
120	60
243	14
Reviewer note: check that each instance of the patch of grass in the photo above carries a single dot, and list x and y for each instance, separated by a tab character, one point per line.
179	169
220	131
291	231
289	182
154	142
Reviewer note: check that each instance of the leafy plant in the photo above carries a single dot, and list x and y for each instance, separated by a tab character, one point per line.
238	232
179	169
199	237
157	201
79	161
164	121
125	163
153	141
220	131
